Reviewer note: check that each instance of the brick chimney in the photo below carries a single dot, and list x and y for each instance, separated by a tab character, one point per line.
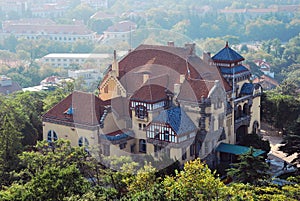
192	47
206	56
171	44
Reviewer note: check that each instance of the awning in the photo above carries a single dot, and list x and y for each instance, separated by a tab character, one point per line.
237	149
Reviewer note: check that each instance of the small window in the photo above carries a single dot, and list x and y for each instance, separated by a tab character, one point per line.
156	133
167	135
122	145
142	146
52	136
183	154
83	142
140	126
141	111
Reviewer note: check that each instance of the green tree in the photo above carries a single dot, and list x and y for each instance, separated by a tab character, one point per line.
249	169
10	147
195	182
292	142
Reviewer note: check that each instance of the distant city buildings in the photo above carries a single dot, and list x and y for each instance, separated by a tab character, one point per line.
97	4
265	67
71	60
266	82
33	29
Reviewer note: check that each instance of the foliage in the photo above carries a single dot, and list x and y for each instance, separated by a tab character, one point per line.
195	182
249	169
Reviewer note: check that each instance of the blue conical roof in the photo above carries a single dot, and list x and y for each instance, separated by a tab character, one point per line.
227	55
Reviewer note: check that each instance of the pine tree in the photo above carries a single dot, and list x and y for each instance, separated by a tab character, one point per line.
250	169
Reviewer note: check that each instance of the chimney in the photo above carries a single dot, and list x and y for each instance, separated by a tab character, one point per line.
145	77
115	65
171	44
176	89
182	78
206	56
192	47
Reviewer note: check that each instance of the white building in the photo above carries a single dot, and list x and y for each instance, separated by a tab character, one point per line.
66	60
89	76
33	29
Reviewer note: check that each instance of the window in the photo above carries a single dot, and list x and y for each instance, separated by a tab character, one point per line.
142	146
140	126
183	154
83	142
141	111
156	133
167	135
122	145
52	136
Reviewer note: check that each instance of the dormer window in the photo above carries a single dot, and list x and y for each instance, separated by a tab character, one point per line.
141	111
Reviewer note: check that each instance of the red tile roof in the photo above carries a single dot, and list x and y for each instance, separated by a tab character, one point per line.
161	60
194	90
87	109
150	93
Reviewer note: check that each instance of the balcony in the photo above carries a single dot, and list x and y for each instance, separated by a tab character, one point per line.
242	121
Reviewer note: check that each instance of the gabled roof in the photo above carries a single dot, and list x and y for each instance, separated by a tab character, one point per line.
177	119
194	90
227	55
150	94
155	60
86	108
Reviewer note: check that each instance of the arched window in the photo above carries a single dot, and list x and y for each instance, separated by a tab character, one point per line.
52	136
83	141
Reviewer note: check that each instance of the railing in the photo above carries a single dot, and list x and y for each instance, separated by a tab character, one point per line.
242	121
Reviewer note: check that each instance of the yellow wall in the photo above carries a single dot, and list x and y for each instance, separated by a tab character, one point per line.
255	112
71	133
115	89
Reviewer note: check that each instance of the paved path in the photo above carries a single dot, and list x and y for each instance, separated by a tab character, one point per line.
275	156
